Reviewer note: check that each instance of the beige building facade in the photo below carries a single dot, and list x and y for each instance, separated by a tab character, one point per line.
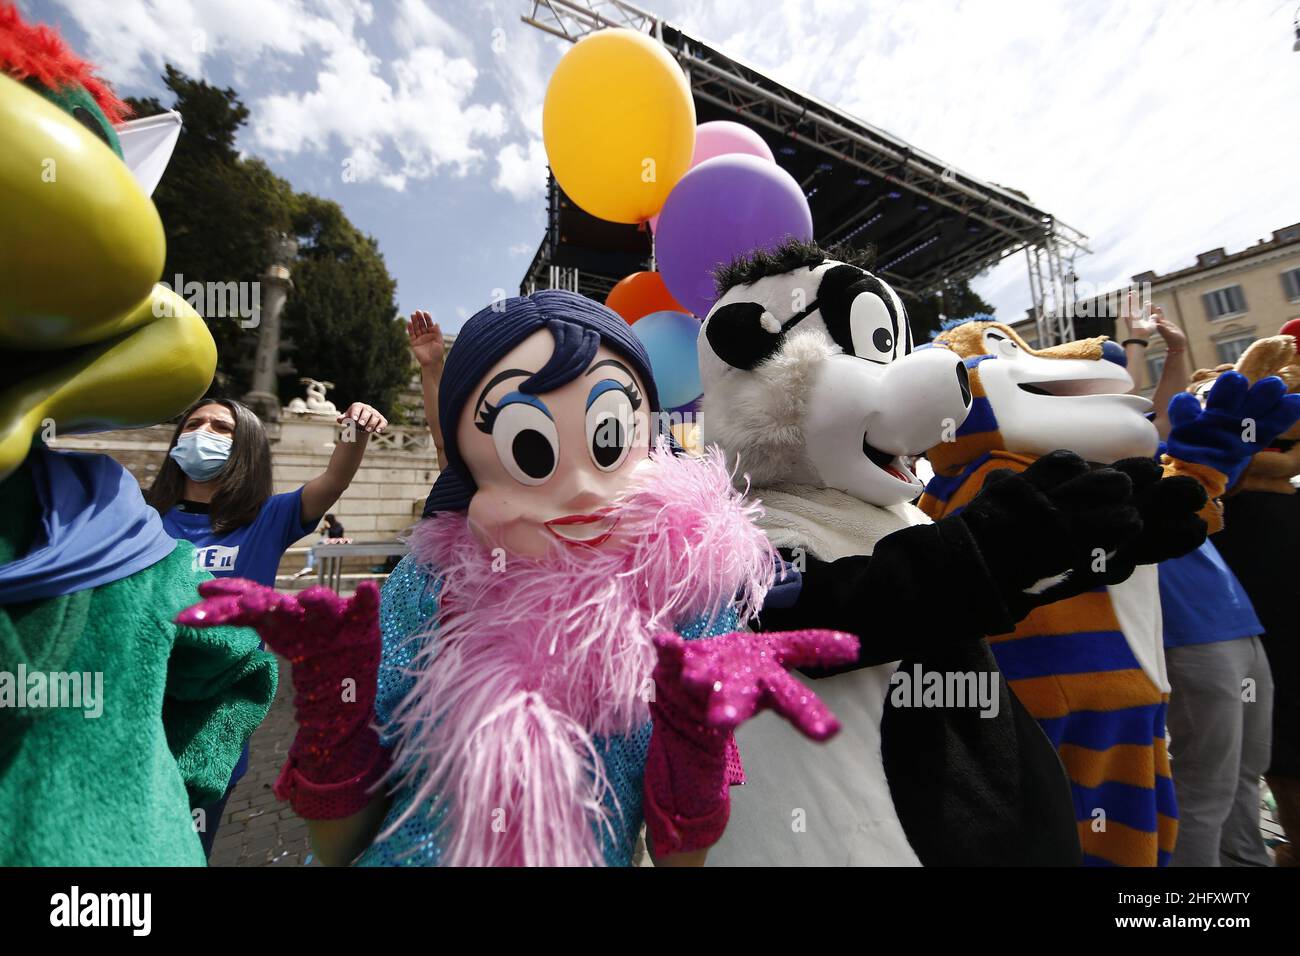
1223	303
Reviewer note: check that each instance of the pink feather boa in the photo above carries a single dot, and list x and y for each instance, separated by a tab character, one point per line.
529	663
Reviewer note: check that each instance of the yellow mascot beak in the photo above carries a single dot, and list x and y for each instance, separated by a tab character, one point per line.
89	341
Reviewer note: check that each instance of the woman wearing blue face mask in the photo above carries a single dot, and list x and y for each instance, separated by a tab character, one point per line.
214	490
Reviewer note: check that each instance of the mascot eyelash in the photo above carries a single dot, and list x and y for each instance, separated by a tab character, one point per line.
486	418
633	396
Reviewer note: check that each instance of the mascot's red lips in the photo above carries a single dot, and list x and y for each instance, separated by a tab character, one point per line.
590	529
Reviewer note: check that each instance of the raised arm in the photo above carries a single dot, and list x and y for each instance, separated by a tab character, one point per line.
430	352
1138	328
1176	373
319	494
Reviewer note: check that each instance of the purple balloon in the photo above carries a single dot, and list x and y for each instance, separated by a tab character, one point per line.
718	138
725	207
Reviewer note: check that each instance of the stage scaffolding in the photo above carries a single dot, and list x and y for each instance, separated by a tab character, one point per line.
930	223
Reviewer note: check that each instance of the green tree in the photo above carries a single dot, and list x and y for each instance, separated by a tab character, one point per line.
955	301
219	210
342	310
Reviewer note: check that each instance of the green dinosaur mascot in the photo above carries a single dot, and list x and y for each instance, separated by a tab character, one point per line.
114	721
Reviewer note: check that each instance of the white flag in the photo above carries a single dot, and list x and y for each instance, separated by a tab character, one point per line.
147	145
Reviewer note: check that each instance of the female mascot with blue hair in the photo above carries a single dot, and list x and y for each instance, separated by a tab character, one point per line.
526	696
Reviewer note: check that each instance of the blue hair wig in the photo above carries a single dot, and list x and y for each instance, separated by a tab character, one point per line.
947	324
578	326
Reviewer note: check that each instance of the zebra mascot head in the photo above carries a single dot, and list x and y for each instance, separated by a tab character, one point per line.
810	378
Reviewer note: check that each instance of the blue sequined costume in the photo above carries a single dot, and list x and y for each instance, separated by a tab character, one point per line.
409	602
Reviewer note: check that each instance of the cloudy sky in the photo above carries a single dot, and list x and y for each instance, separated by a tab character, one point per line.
1160	129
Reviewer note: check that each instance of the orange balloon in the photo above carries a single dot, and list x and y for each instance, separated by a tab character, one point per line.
640	294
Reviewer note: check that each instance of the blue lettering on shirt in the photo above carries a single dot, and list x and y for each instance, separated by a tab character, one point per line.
252	551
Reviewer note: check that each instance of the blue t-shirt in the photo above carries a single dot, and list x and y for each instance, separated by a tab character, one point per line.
253	551
1202	601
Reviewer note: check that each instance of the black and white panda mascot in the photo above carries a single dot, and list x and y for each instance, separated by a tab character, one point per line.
813	390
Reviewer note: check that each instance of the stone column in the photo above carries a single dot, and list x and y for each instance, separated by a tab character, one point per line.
263	397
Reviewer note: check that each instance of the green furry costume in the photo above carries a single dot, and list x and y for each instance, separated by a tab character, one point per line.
178	705
88	342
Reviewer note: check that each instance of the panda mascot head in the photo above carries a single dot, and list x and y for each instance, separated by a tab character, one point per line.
810	378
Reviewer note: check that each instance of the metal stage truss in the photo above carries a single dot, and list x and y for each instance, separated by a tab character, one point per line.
929	223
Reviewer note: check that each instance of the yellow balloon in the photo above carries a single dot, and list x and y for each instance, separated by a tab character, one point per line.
619	124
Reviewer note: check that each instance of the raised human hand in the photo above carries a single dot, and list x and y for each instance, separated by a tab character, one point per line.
366	416
425	335
1175	338
1134	313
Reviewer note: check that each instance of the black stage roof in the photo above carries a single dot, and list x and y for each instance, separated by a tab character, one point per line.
928	222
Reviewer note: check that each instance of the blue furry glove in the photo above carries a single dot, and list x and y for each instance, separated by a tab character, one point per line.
1238	420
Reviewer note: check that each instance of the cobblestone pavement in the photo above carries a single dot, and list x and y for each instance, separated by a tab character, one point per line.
258	830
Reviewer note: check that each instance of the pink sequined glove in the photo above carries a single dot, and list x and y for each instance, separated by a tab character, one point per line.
704	690
333	646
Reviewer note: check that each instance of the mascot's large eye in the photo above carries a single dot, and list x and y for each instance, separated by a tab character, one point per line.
863	315
997	344
611	428
872	328
525	438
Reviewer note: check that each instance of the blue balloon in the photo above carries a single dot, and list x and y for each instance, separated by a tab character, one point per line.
669	338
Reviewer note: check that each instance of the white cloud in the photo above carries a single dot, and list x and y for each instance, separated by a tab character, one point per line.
385	121
521	171
416	24
521	61
423	115
130	40
1159	130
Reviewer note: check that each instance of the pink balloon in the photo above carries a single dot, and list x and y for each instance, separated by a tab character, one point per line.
723	136
719	138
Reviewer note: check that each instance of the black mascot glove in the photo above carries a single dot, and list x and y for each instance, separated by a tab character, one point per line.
1050	519
1171	525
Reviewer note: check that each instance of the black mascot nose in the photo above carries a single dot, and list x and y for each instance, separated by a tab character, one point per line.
963	380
